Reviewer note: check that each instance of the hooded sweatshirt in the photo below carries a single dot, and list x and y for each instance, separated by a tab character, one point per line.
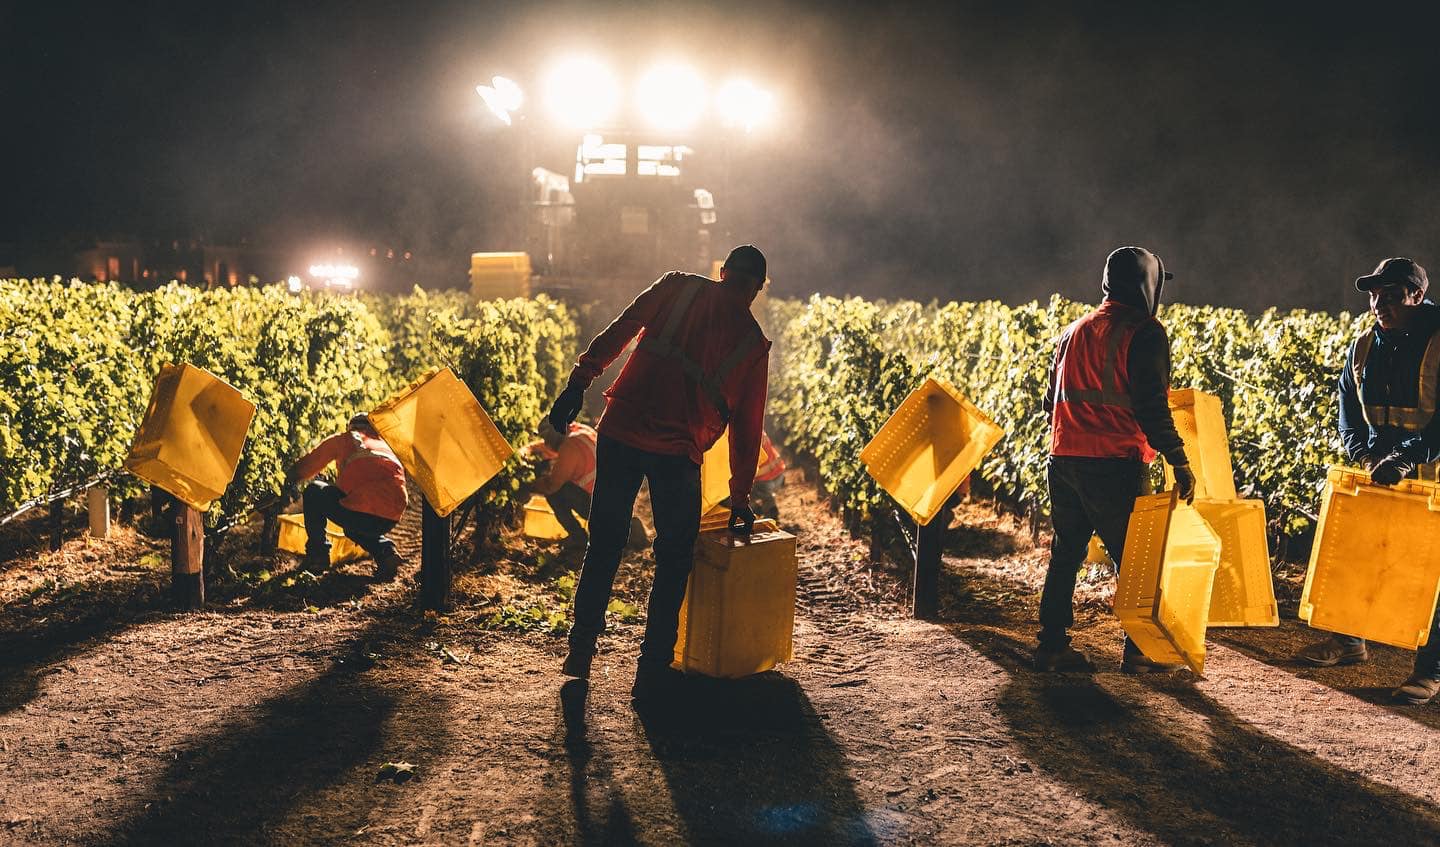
1137	286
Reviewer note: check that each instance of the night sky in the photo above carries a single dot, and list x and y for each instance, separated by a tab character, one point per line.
990	150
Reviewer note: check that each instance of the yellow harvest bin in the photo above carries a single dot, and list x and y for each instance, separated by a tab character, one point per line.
1375	565
1162	596
1096	554
190	439
1244	593
443	437
293	538
738	617
715	473
928	447
540	521
1200	420
499	276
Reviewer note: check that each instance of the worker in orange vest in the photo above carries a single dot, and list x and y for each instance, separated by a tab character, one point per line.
569	481
1110	417
701	365
366	500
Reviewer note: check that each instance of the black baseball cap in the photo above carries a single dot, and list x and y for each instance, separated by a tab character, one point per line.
1397	271
747	259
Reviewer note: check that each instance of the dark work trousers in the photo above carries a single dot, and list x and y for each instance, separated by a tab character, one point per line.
675	498
322	503
1087	496
570	503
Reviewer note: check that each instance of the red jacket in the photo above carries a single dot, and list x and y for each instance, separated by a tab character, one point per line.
701	362
369	474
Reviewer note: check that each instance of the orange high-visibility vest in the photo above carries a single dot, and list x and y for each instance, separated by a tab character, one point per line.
771	465
1094	414
585	437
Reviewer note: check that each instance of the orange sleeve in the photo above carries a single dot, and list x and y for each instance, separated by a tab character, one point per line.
563	469
330	450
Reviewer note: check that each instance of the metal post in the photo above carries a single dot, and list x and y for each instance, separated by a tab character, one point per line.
97	501
928	541
434	559
187	556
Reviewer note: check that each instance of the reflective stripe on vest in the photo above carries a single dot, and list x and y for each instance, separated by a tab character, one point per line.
664	347
1094	412
771	465
1110	392
1409	418
361	451
586	437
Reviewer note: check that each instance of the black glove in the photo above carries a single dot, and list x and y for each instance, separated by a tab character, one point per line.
742	520
1184	482
567	407
1391	469
291	492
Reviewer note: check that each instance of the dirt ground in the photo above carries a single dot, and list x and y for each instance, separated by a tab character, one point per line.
267	718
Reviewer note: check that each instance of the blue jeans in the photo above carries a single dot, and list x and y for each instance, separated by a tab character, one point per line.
1427	658
1087	496
675	498
322	503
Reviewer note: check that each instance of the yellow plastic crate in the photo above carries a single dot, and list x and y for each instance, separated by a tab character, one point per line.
1096	554
1244	592
715	473
443	437
190	439
540	521
928	447
1375	565
293	538
738	617
499	276
1162	596
1200	420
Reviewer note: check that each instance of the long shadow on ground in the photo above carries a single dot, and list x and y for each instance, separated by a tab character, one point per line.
278	774
743	762
1190	771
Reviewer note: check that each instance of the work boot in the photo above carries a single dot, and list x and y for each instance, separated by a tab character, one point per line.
387	566
655	684
1332	651
1136	662
577	661
316	560
1417	690
1065	659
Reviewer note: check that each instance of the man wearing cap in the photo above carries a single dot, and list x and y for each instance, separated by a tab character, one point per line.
701	365
1389	426
366	500
1109	418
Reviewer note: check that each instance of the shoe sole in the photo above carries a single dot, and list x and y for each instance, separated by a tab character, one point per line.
1347	660
1141	670
1410	701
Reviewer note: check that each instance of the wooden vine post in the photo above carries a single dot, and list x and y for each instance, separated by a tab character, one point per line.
925	593
97	502
434	559
187	556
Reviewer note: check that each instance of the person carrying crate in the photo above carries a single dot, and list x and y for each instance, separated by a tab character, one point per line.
701	364
1109	418
1388	390
366	500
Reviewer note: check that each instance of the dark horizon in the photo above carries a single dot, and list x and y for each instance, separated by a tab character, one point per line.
998	150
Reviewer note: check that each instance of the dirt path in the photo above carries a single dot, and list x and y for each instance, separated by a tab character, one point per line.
262	723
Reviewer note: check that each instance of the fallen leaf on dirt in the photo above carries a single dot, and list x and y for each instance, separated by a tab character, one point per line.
396	772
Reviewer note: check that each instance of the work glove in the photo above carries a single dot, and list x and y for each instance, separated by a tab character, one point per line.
742	520
1391	469
291	492
567	407
1184	482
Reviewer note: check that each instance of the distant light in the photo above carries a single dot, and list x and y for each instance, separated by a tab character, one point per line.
582	93
671	97
502	96
336	276
744	106
294	283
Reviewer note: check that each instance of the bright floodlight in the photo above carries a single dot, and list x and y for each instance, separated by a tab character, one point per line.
582	93
502	97
743	105
671	97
